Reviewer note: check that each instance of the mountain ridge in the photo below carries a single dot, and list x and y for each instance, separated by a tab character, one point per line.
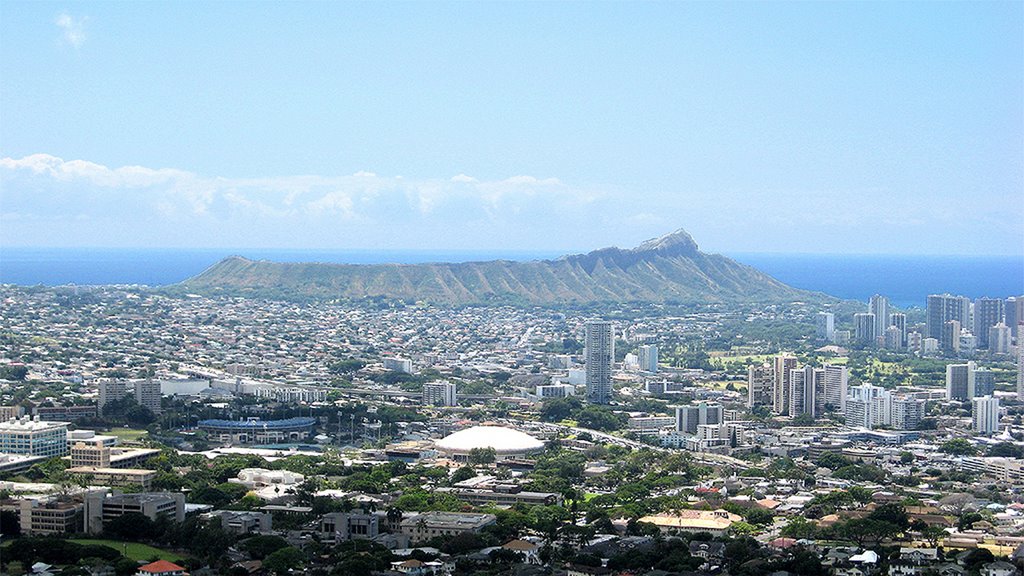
670	268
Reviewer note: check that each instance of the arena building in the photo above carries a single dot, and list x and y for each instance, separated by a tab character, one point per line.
256	431
506	442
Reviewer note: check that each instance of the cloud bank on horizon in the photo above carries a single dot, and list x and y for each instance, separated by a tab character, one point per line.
49	201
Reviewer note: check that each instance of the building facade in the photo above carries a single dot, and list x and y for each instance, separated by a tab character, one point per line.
600	354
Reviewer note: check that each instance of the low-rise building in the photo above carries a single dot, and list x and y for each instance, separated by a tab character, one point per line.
431	524
714	522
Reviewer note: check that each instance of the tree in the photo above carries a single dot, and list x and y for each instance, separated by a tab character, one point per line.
958	447
481	456
1006	450
464	473
558	409
259	547
283	560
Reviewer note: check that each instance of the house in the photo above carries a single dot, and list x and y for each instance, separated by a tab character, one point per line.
528	550
161	568
707	550
414	567
999	568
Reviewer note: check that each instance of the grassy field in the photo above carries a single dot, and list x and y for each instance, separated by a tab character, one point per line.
128	434
134	550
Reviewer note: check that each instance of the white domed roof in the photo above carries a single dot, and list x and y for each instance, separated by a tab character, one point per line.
503	440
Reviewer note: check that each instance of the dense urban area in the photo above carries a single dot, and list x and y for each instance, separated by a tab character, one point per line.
153	432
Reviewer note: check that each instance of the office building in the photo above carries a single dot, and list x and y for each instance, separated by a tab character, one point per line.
353	525
985	414
950	341
49	516
987	313
999	339
960	381
825	327
554	390
648	358
782	365
833	394
689	417
945	307
864	328
428	525
1020	373
759	385
34	437
101	508
147	394
879	306
110	389
441	393
599	353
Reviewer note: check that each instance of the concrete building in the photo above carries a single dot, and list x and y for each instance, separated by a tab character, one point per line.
782	365
353	525
242	522
987	313
950	341
835	382
899	320
759	385
907	412
554	390
689	417
945	307
398	365
879	306
985	415
714	522
600	353
256	431
825	327
648	358
803	386
101	508
893	339
1020	372
864	328
136	478
34	437
49	516
441	393
999	338
863	406
110	389
984	382
433	524
148	395
960	381
1013	314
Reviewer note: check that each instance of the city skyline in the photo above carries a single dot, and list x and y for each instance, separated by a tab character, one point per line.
514	127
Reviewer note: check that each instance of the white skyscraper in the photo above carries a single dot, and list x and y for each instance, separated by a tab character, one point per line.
600	353
759	385
833	394
960	381
1020	373
879	306
985	414
803	383
825	327
782	366
999	339
648	356
442	393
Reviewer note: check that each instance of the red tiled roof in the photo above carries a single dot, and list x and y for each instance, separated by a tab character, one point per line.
161	567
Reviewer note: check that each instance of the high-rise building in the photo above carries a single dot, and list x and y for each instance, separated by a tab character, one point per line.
945	307
833	395
999	339
689	417
148	395
759	385
1020	373
984	382
864	328
648	357
985	413
960	381
33	437
862	405
879	306
109	390
893	338
803	383
599	353
907	413
1013	314
899	320
825	327
781	367
442	393
987	313
950	341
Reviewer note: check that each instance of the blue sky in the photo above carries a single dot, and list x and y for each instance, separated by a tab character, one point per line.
869	127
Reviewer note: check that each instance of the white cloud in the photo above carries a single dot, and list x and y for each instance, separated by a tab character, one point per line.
72	29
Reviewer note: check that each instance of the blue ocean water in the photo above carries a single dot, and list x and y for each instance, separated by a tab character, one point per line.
906	280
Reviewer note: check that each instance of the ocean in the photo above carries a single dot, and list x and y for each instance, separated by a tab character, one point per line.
906	280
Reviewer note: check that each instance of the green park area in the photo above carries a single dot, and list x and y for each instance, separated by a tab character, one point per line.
128	434
134	550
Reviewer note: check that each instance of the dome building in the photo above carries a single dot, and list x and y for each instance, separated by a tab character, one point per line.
506	442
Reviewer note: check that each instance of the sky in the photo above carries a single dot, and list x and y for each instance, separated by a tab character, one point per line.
867	127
